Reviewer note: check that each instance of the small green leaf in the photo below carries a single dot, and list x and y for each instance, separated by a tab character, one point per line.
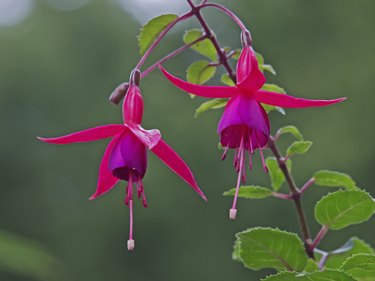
151	30
276	175
259	57
336	179
200	72
311	266
290	130
236	54
361	267
271	248
273	88
211	104
225	79
353	246
277	89
268	68
27	258
342	208
204	47
250	192
298	147
326	275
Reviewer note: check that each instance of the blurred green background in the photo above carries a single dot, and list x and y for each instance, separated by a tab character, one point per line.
59	64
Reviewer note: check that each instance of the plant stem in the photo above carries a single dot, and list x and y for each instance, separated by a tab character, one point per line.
309	183
322	232
296	197
210	35
228	12
171	55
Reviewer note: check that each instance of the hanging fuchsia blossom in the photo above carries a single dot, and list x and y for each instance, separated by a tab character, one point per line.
126	155
244	125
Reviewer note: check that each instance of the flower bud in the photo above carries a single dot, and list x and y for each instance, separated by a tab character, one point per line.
119	93
246	38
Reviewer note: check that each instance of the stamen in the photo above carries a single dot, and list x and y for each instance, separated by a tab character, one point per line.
263	162
250	161
225	153
131	242
233	210
235	160
251	143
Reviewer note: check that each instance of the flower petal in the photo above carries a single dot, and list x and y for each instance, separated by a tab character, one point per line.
106	181
286	101
199	90
249	75
91	134
149	138
176	164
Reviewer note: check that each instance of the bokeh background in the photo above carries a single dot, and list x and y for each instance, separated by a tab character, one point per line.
59	61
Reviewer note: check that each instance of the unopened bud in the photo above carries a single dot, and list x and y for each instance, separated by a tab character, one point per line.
131	244
232	214
246	38
119	93
135	77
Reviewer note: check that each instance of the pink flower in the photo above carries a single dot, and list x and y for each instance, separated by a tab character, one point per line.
126	155
244	125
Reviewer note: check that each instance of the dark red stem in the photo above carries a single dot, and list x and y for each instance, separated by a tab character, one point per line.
295	196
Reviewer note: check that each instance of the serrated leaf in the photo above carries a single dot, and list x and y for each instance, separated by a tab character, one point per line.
151	30
361	267
250	192
311	266
27	258
277	89
337	257
271	248
205	47
211	104
293	130
327	275
225	79
298	147
236	251
276	175
342	208
335	179
200	72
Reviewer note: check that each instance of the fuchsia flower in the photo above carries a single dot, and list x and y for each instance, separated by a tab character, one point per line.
244	125
126	155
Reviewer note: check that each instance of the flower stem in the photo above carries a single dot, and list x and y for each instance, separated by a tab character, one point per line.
295	196
228	12
171	55
195	10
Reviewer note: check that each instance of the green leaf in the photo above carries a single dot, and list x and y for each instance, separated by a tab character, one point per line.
276	89
259	57
337	257
225	79
342	208
211	104
237	54
271	248
361	267
276	175
336	179
298	147
151	30
205	47
290	130
273	88
200	72
311	266
27	258
236	251
326	275
250	192
267	68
